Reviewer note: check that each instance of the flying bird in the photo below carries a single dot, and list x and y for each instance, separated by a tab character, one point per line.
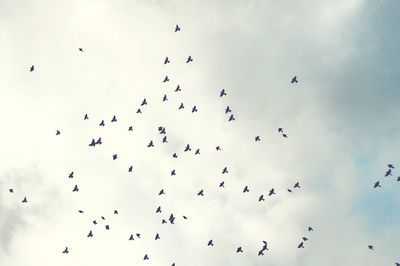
297	185
165	98
177	28
66	251
115	212
301	245
11	190
246	189
222	184
173	172
130	169
86	117
194	109
239	249
280	130
171	218
391	166
157	236
144	102
131	238
24	200
305	238
99	141
388	173
158	209
80	49
102	123
225	170
107	227
94	222
284	135
310	229
130	128
190	59
150	144
228	110
294	79
231	118
161	192
222	93
76	189
90	234
257	138
114	119
178	88
377	184
175	155
210	243
32	68
58	132
197	152
200	193
80	211
71	175
218	148
166	60
261	198
139	111
371	247
115	156
271	192
166	79
187	148
181	106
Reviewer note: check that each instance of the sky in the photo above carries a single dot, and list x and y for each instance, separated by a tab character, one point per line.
341	118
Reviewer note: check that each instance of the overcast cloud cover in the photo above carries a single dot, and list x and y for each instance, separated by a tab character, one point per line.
342	119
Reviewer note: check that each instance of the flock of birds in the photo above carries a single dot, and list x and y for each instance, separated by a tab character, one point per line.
162	131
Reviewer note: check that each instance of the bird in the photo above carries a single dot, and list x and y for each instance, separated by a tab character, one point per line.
257	138
261	198
115	156
218	148
390	166
194	109
261	253
231	118
225	170
139	111
165	98
271	192
102	217
157	236
163	221
289	190
166	79
144	102
11	190
177	28
86	117
76	189
377	184
398	179
71	175
115	212
197	152
181	106
371	247
189	59
102	123
239	249
284	135
138	235
171	218
222	184
107	227
80	49
94	222
131	238
200	193
310	229
24	200
66	251
80	211
32	68
301	245
162	130
58	132
150	144
175	155
130	128
184	217
246	189
228	109
98	141
222	93
397	264
297	185
280	130
173	172
130	169
388	173
305	238
166	60
114	119
158	209
187	148
294	80
161	192
178	88
90	234
210	243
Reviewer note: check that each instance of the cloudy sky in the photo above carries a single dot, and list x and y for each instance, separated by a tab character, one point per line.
342	121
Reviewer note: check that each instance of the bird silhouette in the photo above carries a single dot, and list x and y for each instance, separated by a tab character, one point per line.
175	155
189	59
305	238
115	212
90	234
261	198
163	221
289	190
177	28
157	237
171	218
173	172
222	184
225	170
371	247
210	243
144	102
131	238
178	88
294	79
301	245
284	135
107	227
71	175
166	79
130	169
80	211
181	106
11	190
138	235
398	179
86	117
222	93
115	156
165	98
32	68
228	110
130	128
98	141
231	118
271	192
187	148
218	148
102	217
280	130
239	250
377	184
66	251
150	144
310	229
24	200
257	138
194	109
388	173
58	132
166	60
390	166
246	189
161	192
184	217
158	209
80	49
200	193
114	119
197	152
139	111
102	123
76	189
297	185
